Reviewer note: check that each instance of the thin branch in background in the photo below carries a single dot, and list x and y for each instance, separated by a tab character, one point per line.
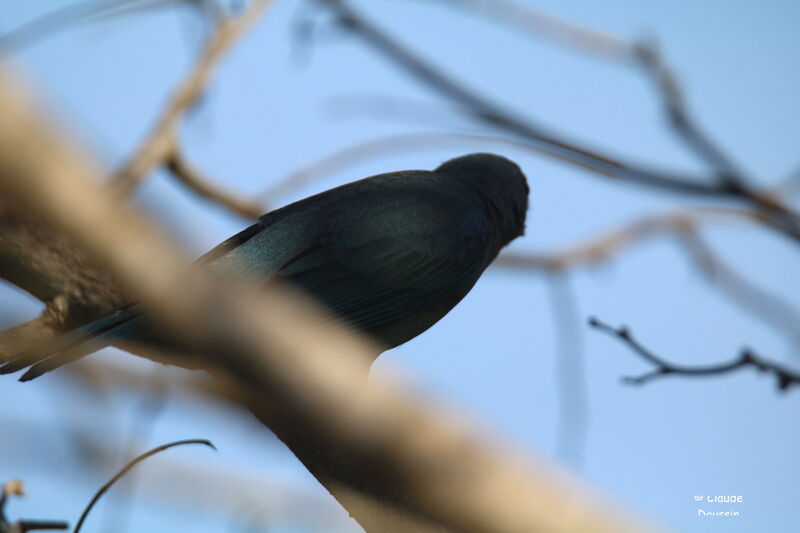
570	371
728	174
161	142
75	14
564	33
789	185
610	242
647	56
403	110
291	506
492	114
670	93
785	378
125	470
15	487
768	307
194	180
611	47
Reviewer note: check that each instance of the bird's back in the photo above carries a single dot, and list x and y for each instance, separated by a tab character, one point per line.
389	255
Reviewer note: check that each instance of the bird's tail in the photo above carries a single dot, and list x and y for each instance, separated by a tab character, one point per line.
77	343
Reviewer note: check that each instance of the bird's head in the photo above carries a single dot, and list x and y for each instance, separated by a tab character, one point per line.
501	185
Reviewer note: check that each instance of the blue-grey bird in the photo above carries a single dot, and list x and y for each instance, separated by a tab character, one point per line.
389	255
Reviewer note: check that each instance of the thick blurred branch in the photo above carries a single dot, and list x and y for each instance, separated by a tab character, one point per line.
785	378
50	267
19	338
377	449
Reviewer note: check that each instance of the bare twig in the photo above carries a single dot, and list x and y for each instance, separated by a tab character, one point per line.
748	358
729	175
768	307
15	487
490	113
80	12
608	46
647	56
185	173
161	141
289	505
565	33
124	470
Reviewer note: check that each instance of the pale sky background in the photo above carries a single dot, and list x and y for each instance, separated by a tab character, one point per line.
275	106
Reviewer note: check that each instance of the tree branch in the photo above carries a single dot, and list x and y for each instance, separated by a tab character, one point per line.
611	47
161	141
125	469
15	487
186	174
560	31
79	12
748	358
608	243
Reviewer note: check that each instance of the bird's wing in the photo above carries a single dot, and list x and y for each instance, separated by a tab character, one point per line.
374	268
231	243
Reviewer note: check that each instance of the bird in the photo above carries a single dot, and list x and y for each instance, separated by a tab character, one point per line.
388	255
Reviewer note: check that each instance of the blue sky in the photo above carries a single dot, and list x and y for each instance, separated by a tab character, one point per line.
276	106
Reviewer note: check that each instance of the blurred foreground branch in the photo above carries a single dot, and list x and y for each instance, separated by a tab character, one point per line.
382	452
